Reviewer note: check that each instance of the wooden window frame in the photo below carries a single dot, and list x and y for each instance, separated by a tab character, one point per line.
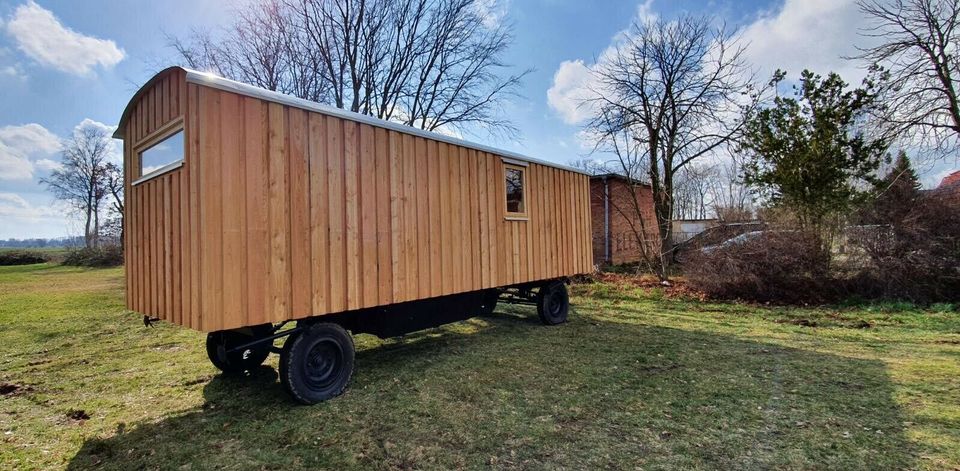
151	140
522	168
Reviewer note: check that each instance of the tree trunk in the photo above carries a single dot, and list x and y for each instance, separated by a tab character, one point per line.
87	240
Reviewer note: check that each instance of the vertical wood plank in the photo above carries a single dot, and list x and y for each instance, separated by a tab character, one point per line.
186	249
193	167
337	211
482	212
493	217
319	214
384	205
434	185
454	241
176	249
164	110
534	231
234	226
367	195
473	218
257	204
299	229
211	210
351	157
397	229
424	203
446	239
411	177
279	278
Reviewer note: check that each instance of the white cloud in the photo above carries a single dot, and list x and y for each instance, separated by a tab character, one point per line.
14	165
798	34
41	36
575	83
13	200
20	145
115	150
807	34
48	164
572	87
15	207
492	12
645	12
31	136
12	71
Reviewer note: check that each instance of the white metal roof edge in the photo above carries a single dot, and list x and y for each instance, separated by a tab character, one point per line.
214	81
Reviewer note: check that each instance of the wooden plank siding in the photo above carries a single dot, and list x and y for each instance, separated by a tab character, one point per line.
280	212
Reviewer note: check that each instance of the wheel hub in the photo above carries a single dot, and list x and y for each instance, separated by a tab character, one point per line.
323	363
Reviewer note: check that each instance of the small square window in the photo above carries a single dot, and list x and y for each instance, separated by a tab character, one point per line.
515	181
161	156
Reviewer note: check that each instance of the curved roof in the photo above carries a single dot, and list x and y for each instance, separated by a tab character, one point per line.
214	81
118	134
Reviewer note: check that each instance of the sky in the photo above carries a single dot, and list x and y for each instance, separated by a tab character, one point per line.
69	64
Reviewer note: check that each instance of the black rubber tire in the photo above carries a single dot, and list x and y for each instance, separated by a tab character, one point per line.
237	362
489	302
553	303
317	364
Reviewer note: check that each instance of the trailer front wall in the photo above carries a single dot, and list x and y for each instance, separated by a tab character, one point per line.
301	213
161	262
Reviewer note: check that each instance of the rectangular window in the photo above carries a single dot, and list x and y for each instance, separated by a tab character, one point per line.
163	156
515	182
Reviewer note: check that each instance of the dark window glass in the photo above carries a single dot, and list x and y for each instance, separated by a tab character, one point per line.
514	190
161	154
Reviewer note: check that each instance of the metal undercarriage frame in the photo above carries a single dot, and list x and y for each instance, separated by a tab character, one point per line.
525	294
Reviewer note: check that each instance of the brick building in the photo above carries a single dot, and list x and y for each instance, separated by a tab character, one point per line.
614	239
949	188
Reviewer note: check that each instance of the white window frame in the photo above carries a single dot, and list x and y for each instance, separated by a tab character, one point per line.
151	141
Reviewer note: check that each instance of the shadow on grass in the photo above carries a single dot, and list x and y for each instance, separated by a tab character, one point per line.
510	394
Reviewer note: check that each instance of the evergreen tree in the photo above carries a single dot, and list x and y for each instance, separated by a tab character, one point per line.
896	194
808	152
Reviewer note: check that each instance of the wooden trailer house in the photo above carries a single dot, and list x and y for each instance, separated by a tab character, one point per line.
247	209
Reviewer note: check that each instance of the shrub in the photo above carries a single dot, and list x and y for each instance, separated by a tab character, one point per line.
913	257
22	257
777	266
105	256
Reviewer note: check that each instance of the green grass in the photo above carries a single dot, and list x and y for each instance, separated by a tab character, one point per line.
634	380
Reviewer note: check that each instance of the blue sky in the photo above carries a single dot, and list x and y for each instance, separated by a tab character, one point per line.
66	63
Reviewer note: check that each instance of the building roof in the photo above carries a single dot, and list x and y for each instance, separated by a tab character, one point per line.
214	81
617	176
952	179
949	187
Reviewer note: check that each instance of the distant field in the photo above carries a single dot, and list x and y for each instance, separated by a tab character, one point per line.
634	380
36	249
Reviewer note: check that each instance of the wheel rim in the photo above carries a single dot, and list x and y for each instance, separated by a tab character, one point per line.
553	307
323	364
554	304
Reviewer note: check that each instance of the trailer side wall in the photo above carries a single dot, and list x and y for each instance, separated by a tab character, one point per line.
281	213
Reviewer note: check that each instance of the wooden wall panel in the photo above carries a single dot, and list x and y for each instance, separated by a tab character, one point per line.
157	218
281	213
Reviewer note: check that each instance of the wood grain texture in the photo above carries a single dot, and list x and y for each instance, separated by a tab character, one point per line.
282	213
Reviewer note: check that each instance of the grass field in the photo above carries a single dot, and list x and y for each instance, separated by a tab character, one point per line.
634	380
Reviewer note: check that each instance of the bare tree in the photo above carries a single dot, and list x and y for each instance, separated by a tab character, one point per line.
113	181
732	200
432	64
677	89
916	59
591	166
81	181
629	162
693	196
